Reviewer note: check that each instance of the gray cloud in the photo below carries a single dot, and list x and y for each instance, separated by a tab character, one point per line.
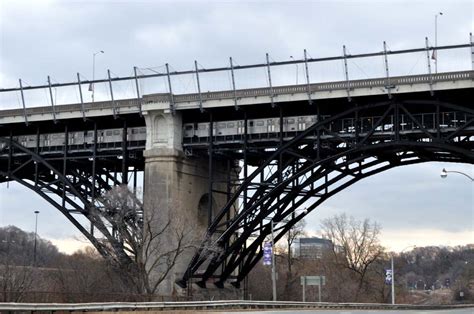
58	38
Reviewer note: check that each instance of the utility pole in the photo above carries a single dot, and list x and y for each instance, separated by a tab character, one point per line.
273	265
36	235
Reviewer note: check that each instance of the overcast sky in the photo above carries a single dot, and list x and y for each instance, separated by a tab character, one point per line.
57	38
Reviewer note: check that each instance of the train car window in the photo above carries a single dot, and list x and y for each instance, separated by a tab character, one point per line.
250	123
143	130
108	133
55	136
221	125
260	123
90	133
291	121
202	127
230	125
134	131
188	127
116	132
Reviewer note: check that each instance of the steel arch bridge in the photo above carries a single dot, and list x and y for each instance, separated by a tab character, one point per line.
298	172
318	163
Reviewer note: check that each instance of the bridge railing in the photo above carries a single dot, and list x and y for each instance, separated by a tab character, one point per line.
272	71
217	305
133	104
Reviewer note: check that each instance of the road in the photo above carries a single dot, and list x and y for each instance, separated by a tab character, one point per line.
452	311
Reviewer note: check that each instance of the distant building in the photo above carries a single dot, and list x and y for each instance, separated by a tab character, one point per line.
311	248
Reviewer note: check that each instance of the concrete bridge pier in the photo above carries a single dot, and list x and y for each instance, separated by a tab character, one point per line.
176	191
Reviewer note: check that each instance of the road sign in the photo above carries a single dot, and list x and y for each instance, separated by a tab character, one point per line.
267	253
313	280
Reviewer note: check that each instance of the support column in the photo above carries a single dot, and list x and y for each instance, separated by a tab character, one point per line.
176	192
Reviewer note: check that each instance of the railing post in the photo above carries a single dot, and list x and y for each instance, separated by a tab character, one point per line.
270	81
346	72
23	102
308	85
198	85
114	109
172	109
233	83
80	96
387	73
429	65
52	101
138	91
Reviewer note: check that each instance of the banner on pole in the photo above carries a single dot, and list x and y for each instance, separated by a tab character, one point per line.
267	253
388	276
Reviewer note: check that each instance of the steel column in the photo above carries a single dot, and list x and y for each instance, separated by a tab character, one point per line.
114	105
80	96
172	108
52	101
198	85
137	87
23	102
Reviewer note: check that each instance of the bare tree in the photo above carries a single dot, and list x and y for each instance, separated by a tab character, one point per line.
355	244
15	280
153	244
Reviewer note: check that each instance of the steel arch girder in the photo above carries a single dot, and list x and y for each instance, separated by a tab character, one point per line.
445	144
113	251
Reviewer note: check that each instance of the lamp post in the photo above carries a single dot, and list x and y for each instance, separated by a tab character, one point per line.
436	40
93	72
296	65
393	272
36	233
444	174
272	225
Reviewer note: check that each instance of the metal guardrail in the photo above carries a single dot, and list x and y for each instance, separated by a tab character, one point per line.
216	305
242	93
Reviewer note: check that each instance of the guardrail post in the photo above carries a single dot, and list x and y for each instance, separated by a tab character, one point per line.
114	109
198	85
270	80
387	73
52	101
308	85
170	89
80	96
346	71
138	91
23	102
429	65
233	83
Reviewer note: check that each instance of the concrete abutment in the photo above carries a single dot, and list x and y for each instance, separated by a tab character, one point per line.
176	195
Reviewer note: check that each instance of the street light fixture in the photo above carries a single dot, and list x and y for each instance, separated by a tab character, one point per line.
93	72
444	174
36	233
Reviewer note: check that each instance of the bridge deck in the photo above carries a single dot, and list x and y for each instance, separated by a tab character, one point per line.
243	97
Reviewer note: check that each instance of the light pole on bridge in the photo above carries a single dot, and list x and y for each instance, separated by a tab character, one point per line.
91	87
435	52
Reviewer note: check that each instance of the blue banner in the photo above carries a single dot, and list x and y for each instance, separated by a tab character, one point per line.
388	276
267	253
